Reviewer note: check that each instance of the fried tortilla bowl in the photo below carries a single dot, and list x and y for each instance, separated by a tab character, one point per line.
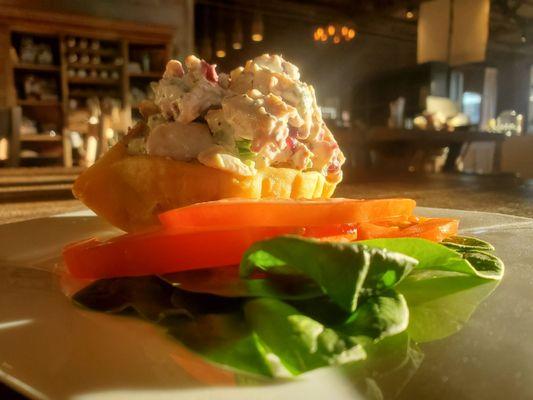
130	191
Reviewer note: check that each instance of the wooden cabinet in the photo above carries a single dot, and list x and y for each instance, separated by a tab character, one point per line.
55	66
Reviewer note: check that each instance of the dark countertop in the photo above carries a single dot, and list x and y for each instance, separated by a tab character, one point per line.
48	193
492	193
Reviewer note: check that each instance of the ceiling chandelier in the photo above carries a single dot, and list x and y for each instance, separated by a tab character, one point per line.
334	33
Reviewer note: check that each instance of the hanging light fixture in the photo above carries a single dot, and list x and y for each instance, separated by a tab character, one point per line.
409	13
257	28
206	49
220	39
334	33
220	45
237	35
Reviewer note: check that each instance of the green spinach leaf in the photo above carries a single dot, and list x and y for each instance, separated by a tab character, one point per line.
440	303
226	282
301	343
342	270
434	256
148	296
467	243
377	317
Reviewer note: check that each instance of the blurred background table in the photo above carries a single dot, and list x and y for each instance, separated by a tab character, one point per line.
424	139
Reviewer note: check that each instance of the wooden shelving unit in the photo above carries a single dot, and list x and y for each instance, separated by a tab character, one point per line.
38	103
37	67
94	81
40	137
95	66
146	74
119	44
94	52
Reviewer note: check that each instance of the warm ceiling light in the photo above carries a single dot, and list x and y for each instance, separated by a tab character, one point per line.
220	44
335	33
237	36
257	28
206	50
409	14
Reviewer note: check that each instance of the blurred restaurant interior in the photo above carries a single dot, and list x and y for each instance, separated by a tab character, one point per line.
419	94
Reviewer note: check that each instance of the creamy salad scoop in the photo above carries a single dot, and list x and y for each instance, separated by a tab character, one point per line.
259	115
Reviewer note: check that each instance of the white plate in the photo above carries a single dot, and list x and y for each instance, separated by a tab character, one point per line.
51	349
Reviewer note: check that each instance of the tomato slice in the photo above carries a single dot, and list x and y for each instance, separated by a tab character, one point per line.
246	213
167	250
435	229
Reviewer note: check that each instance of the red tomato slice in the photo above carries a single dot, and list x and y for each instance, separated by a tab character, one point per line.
435	229
245	213
166	250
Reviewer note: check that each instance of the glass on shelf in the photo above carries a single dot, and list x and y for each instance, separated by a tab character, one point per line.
72	58
44	55
84	43
95	44
71	42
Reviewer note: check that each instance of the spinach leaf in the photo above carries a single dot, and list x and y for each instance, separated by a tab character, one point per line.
467	243
342	270
301	343
435	256
389	366
377	317
222	338
489	264
440	303
226	282
148	296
